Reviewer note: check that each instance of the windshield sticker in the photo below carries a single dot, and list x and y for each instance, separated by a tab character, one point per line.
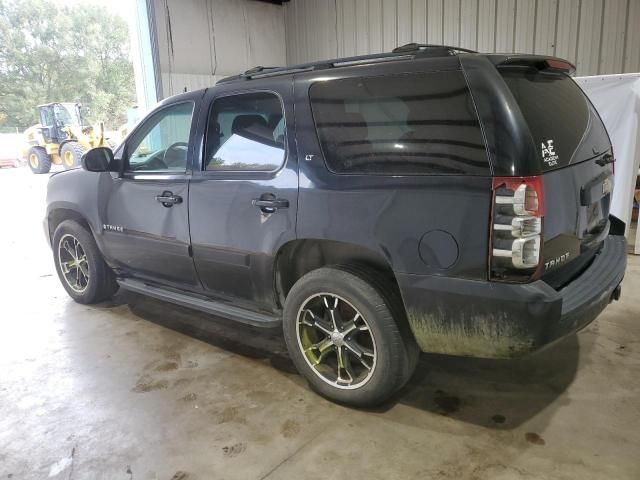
548	154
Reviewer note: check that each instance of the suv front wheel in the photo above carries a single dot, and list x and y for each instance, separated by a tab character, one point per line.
343	338
80	266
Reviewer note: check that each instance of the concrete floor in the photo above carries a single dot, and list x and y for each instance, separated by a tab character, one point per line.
139	389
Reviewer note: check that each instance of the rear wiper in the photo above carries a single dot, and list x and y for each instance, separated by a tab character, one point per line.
605	159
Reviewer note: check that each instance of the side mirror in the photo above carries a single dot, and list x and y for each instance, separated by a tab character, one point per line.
97	159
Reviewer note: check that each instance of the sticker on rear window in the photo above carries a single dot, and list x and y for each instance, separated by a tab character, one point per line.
548	154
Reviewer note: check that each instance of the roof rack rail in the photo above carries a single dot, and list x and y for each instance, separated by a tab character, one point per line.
415	47
404	52
257	69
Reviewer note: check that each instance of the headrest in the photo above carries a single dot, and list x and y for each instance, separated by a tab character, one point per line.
242	122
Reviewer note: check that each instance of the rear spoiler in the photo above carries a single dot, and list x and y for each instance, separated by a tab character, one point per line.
541	62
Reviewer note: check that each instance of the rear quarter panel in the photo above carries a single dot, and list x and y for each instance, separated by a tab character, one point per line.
391	215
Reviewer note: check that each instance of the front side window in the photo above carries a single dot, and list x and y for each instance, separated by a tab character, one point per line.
246	132
162	142
412	124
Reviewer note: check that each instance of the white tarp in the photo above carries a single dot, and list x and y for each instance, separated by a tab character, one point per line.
10	146
617	99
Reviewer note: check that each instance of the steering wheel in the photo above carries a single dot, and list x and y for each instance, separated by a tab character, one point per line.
176	155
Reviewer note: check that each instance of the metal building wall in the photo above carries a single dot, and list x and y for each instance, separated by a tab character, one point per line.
201	41
599	36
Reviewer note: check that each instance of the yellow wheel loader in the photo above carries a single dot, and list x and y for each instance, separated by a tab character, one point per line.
60	138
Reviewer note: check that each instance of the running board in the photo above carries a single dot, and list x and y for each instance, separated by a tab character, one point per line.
238	314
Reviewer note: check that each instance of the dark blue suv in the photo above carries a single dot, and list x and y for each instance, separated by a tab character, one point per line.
430	199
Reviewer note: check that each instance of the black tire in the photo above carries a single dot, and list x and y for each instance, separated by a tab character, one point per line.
395	303
71	154
394	351
38	159
101	282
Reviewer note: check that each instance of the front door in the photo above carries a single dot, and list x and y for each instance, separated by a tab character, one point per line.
146	220
243	202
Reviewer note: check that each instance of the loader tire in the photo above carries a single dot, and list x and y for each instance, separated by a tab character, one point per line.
38	159
71	153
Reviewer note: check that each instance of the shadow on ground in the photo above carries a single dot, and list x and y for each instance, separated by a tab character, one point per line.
498	394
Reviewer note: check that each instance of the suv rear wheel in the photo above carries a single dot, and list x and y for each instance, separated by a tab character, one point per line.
342	336
80	266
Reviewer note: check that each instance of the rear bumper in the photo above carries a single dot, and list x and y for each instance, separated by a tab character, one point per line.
498	320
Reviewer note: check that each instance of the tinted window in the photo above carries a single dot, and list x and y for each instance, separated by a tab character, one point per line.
46	116
245	133
563	123
162	141
66	113
404	124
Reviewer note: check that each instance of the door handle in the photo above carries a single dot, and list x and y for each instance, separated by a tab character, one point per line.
168	199
268	203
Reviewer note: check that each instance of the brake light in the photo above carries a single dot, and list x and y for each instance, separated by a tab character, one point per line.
516	228
559	66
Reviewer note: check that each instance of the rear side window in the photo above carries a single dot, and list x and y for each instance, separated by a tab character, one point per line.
413	124
564	125
246	132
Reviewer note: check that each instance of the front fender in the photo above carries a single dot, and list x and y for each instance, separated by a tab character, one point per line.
78	195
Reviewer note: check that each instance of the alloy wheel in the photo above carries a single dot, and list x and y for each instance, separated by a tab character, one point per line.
336	341
73	263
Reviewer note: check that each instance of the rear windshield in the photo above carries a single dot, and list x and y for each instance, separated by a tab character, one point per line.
412	124
564	125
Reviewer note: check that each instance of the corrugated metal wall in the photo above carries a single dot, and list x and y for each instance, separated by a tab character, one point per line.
599	36
201	41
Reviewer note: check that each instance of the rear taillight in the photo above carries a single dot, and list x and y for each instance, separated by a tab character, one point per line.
516	228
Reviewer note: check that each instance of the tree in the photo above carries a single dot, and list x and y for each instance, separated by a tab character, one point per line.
50	53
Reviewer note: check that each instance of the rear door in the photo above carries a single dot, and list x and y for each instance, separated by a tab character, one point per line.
574	153
243	201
